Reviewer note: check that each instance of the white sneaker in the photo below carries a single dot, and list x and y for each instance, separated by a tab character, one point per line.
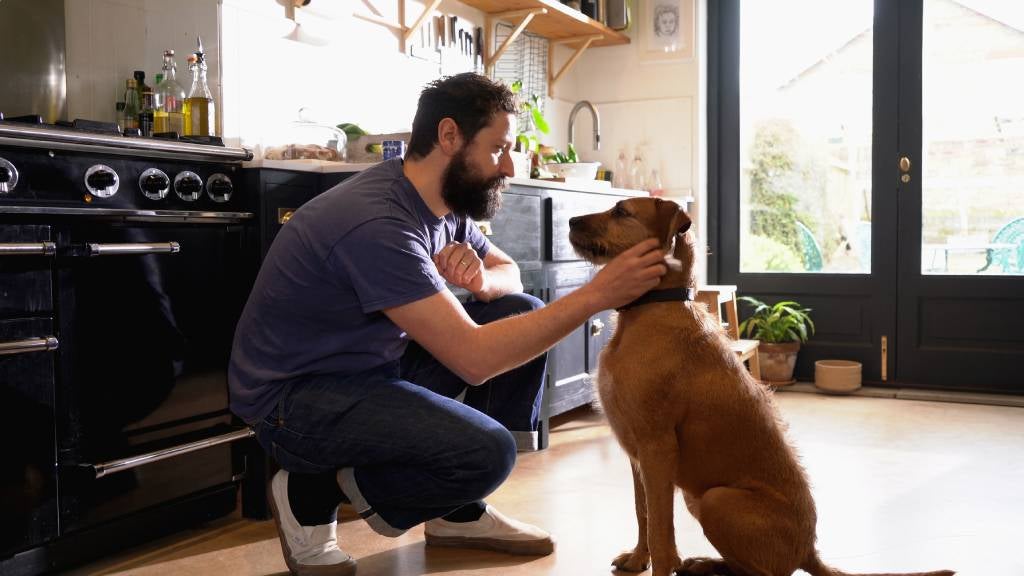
492	531
308	550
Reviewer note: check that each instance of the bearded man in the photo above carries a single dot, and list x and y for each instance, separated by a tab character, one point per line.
351	349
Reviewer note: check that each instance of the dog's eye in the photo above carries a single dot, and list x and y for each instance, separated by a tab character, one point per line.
619	211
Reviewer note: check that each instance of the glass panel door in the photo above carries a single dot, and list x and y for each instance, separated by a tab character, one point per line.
972	168
805	136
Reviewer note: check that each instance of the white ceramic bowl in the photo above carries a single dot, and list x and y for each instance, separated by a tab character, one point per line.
574	170
837	376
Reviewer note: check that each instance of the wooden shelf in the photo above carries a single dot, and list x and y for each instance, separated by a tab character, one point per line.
559	23
547	18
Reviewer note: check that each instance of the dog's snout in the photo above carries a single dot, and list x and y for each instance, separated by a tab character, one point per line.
575	221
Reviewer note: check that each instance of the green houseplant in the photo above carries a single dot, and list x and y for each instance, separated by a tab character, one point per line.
781	327
528	139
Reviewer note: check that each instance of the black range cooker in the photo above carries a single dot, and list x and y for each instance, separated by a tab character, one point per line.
123	269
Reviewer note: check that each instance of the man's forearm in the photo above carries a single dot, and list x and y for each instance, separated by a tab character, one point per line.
500	280
504	344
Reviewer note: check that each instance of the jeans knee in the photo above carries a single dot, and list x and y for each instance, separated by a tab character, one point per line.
519	302
494	460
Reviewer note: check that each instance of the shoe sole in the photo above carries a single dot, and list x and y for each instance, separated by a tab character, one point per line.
346	568
517	547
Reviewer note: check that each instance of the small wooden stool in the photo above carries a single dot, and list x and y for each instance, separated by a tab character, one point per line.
717	296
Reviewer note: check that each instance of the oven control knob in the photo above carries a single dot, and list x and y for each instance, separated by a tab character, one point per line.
8	176
154	184
219	188
101	181
188	186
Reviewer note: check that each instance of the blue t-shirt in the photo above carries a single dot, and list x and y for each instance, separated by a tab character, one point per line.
362	246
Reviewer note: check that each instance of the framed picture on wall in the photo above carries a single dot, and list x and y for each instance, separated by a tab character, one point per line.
667	29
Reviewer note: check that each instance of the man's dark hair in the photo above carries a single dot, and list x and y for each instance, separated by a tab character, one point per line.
471	100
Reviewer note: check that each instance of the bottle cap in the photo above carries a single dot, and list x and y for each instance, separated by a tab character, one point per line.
131	83
140	75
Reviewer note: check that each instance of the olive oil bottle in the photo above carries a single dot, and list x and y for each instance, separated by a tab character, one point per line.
199	109
168	99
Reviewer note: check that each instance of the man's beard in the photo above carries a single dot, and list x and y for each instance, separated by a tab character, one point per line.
466	193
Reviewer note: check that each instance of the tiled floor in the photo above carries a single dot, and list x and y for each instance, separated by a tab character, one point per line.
900	485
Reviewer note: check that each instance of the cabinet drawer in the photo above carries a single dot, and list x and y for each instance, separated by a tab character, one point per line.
25	280
515	229
563	205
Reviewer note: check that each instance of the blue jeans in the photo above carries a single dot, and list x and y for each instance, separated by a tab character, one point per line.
406	451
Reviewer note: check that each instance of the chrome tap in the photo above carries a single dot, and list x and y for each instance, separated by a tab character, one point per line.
597	121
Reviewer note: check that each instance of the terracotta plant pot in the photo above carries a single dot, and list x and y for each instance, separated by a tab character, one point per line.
777	362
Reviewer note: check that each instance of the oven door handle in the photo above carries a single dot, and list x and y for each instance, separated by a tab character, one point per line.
28	249
95	249
44	344
106	468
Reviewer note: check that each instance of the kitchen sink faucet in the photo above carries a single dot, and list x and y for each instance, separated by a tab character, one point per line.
597	121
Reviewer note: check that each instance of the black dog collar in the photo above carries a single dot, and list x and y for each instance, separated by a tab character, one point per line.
666	295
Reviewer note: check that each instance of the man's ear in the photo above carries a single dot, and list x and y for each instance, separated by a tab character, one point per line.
672	220
449	137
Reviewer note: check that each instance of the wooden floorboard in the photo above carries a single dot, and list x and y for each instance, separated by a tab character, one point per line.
901	485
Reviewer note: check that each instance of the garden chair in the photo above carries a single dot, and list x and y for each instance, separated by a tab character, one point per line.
1010	260
811	250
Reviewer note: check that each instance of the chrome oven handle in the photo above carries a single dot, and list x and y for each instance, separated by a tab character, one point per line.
28	249
44	344
95	249
104	468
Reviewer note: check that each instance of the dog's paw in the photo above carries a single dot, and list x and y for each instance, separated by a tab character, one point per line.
704	567
632	561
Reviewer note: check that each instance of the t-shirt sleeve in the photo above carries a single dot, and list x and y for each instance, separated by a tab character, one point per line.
388	263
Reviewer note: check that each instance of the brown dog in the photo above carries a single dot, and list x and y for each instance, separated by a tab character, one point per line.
689	415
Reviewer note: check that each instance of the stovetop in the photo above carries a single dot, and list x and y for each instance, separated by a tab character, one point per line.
89	167
109	129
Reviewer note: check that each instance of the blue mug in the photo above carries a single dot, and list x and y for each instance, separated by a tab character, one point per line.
393	149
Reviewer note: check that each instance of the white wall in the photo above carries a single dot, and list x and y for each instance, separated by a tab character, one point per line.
108	39
360	75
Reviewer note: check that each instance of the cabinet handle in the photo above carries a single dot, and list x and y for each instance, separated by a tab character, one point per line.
95	249
30	249
596	327
284	215
44	344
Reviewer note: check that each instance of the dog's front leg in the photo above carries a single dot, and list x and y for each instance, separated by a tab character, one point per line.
638	559
657	469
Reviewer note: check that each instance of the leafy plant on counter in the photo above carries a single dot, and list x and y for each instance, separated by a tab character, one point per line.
785	321
559	158
527	140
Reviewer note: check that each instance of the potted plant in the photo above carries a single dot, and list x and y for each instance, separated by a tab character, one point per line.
527	141
781	328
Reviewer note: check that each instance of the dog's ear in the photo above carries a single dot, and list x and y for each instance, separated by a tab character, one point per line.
672	220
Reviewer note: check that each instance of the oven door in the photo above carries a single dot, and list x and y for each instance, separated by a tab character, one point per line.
147	314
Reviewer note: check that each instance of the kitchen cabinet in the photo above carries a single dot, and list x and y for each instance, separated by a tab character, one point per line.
533	227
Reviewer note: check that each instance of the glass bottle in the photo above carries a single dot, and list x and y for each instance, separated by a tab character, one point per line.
620	177
638	173
199	109
146	114
168	99
130	115
654	185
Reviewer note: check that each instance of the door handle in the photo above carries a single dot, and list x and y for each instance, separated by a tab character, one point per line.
905	166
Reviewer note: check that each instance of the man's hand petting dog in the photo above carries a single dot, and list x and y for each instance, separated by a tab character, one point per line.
629	275
458	264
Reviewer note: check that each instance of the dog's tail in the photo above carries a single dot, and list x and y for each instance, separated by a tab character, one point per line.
815	567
